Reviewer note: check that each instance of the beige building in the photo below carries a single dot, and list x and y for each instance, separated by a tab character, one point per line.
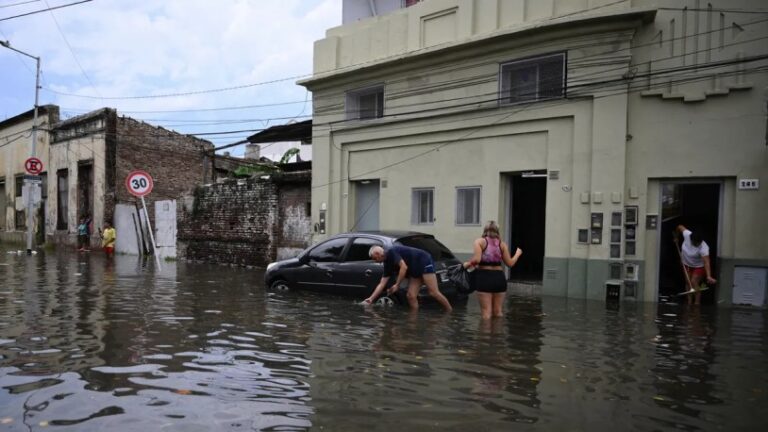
588	128
15	145
87	159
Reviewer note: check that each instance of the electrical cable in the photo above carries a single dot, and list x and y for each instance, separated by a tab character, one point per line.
335	71
45	10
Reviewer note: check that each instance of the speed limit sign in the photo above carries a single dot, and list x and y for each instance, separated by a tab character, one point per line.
139	183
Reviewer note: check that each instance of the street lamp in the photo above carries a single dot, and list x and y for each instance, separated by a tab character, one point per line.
32	149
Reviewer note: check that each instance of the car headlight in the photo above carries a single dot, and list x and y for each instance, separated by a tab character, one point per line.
270	265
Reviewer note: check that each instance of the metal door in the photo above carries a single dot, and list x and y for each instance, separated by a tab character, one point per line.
366	206
749	285
165	231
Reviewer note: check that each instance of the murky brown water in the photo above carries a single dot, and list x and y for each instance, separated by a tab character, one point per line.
88	345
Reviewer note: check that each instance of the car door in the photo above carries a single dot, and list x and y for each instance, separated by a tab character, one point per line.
357	274
317	273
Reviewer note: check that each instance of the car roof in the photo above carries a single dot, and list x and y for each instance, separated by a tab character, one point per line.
391	234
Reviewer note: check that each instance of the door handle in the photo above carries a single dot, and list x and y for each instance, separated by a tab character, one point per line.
329	273
368	273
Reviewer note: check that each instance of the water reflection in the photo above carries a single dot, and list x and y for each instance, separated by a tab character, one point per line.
89	344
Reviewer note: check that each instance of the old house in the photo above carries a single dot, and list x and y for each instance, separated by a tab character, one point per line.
589	129
15	145
87	159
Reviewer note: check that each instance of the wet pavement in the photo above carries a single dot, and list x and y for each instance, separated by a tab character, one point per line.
89	345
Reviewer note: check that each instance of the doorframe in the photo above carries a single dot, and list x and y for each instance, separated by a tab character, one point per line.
721	197
507	189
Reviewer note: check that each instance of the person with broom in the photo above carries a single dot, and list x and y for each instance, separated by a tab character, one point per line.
694	256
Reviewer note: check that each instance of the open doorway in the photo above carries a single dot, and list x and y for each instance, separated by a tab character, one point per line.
526	224
697	207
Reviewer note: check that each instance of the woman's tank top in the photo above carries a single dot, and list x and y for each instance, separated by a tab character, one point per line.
492	252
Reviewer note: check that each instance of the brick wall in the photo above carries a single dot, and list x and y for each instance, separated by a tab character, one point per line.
176	162
245	222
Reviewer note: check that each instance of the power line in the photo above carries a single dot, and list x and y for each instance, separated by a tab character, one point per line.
433	70
504	117
190	93
45	10
18	4
71	51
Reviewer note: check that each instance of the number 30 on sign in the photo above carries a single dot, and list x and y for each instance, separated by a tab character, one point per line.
139	183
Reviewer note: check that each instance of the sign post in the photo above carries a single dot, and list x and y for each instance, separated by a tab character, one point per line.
139	183
33	166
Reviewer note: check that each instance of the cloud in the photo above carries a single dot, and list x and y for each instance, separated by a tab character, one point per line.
130	48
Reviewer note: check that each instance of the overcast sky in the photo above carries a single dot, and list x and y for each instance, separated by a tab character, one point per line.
154	47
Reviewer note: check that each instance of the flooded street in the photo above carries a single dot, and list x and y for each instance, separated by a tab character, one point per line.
91	345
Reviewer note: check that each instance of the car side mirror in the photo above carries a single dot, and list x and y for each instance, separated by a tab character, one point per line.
304	259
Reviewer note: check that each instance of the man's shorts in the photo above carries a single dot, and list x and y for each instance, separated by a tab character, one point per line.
423	265
109	250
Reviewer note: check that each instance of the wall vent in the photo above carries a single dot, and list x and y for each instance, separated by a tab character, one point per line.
550	274
554	174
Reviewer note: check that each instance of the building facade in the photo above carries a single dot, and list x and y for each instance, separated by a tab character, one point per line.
15	145
588	129
87	159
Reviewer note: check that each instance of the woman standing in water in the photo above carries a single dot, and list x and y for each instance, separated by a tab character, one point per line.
489	279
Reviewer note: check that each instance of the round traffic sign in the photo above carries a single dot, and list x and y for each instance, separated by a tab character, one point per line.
33	166
139	183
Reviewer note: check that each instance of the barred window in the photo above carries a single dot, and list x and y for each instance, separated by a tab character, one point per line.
532	79
367	103
422	206
468	205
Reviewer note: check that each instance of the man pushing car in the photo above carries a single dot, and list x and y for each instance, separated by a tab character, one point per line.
407	262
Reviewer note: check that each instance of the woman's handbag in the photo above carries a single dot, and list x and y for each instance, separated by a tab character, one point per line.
461	278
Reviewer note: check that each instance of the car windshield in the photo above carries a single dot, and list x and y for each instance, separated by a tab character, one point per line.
438	250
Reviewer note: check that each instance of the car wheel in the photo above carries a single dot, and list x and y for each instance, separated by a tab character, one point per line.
280	285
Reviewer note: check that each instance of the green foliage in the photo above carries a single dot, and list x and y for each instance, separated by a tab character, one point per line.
288	155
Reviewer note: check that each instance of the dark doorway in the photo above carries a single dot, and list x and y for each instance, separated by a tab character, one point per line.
697	207
528	205
85	190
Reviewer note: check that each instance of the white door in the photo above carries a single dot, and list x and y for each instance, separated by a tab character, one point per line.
749	285
165	229
128	234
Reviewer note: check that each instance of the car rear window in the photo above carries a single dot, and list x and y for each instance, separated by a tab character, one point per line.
438	250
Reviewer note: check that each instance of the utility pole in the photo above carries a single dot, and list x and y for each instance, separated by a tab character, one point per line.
33	147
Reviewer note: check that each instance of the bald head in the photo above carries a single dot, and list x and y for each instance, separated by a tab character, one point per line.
376	253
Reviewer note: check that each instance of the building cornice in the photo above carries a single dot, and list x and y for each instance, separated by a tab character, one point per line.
633	17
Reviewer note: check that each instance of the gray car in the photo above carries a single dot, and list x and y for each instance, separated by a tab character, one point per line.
341	265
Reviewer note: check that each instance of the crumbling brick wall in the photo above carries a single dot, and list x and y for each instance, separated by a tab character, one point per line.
176	162
245	222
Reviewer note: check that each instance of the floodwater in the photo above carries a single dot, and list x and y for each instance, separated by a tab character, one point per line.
93	345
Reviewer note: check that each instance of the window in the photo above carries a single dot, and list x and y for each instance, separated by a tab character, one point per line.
367	103
422	206
359	249
409	3
533	79
19	184
62	198
44	185
329	251
468	205
20	219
